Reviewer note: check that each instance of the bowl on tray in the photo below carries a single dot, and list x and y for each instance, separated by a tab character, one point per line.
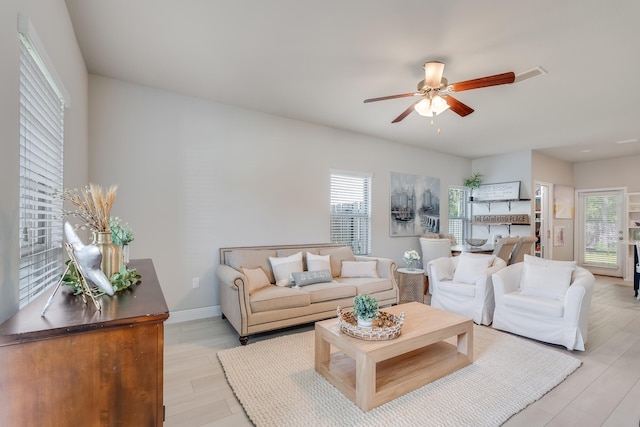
476	242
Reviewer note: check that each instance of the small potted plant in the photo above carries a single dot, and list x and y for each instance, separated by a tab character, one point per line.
411	257
365	309
472	182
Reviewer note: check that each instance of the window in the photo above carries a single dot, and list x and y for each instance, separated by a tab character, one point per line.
41	169
351	210
458	216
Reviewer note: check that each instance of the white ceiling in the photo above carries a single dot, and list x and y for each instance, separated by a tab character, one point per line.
317	61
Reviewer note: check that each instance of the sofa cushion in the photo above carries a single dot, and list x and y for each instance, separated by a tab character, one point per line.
305	278
546	278
283	267
257	278
366	285
359	269
330	291
536	306
337	256
278	298
251	258
470	266
318	262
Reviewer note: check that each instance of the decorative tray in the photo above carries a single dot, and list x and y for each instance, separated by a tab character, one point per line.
385	327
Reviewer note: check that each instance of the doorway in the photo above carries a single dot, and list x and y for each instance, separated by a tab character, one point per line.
600	225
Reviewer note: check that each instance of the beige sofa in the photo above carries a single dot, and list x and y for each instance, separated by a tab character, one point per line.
272	307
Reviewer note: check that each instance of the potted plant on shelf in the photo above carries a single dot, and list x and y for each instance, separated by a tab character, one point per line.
472	182
365	309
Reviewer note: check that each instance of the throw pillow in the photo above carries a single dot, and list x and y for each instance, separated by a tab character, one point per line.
318	262
337	256
546	278
359	269
257	278
310	277
283	267
470	266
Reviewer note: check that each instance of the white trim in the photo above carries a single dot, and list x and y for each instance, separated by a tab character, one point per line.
34	45
350	173
194	314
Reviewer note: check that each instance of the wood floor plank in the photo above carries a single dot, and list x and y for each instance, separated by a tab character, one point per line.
605	390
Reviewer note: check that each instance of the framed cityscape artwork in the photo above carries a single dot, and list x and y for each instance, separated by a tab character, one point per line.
415	205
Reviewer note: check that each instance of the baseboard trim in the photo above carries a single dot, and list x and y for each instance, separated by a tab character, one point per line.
194	314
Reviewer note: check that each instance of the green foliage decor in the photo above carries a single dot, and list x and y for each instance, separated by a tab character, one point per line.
365	307
121	233
473	181
120	281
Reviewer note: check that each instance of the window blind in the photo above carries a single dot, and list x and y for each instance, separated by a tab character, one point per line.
458	216
351	210
41	174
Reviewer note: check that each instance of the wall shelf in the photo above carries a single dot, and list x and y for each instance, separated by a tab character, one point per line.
507	201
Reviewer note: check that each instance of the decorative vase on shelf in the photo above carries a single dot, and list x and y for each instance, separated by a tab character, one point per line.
111	253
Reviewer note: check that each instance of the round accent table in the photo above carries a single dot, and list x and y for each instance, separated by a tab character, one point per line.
411	285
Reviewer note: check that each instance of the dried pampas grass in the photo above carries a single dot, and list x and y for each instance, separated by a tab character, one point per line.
93	206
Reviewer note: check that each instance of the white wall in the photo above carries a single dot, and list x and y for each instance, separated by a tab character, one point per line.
620	172
195	176
51	21
504	168
557	172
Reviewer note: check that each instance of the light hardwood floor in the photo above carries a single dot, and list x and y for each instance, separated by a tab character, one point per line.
604	391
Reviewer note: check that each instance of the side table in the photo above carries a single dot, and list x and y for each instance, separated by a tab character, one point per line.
411	284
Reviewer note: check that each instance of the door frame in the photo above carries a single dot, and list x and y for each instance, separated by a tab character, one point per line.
547	218
579	234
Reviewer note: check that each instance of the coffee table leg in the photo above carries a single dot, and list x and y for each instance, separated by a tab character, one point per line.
322	351
465	344
365	381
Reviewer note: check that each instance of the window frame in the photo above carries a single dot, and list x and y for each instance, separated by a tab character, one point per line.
464	219
351	224
41	137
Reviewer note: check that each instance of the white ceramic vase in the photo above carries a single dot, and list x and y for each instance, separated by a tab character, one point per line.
364	323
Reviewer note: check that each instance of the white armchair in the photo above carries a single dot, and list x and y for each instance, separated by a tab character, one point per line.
548	302
463	285
433	248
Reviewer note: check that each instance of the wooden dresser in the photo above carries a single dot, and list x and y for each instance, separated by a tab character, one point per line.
81	367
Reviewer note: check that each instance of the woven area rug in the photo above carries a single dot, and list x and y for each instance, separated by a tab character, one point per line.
277	385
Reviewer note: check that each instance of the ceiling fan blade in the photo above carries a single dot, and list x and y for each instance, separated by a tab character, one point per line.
498	79
384	98
458	107
406	112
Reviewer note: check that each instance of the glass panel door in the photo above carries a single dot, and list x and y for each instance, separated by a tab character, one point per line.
601	231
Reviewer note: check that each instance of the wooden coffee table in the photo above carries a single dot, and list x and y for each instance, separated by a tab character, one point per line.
371	373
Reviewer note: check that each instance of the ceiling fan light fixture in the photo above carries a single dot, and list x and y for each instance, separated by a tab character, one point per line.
433	73
430	107
438	104
424	108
